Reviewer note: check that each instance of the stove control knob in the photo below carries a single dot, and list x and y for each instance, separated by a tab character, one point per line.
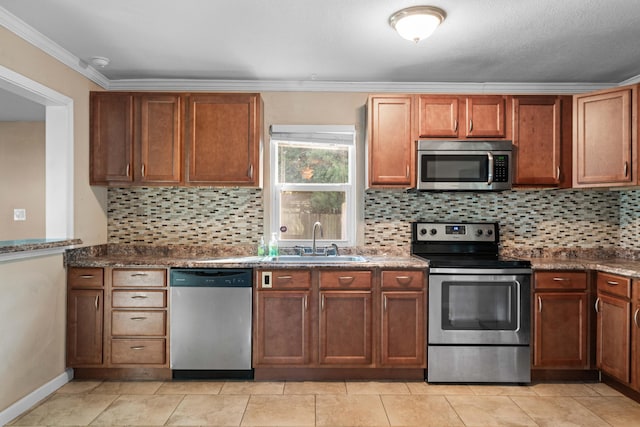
479	232
489	232
433	231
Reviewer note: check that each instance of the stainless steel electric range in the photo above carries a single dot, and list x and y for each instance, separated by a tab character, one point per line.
479	305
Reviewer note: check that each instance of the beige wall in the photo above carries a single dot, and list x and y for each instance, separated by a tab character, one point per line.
32	302
22	157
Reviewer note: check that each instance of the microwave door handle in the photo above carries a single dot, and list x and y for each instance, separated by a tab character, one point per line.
490	167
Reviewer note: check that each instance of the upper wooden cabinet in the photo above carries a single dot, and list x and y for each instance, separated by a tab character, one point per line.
605	138
542	140
480	116
111	142
391	136
223	139
137	139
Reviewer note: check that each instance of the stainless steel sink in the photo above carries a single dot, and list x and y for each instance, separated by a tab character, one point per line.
319	259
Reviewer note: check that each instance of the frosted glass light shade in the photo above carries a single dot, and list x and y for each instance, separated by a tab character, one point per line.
417	23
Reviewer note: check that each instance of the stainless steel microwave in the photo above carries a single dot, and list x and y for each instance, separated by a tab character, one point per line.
464	165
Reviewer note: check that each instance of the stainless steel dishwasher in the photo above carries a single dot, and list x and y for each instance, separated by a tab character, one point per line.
210	323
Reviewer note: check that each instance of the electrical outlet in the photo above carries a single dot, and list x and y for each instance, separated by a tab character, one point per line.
266	280
19	214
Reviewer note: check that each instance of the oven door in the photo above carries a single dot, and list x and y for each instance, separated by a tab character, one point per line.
488	307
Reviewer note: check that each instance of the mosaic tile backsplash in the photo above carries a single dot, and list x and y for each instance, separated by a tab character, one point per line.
528	218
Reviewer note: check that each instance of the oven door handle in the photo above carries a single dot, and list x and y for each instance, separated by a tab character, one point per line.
518	305
490	167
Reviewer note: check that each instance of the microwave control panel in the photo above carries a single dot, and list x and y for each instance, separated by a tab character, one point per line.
500	168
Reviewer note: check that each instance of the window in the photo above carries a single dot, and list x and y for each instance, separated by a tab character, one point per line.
312	176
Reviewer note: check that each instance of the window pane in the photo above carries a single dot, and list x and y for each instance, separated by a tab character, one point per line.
299	210
299	164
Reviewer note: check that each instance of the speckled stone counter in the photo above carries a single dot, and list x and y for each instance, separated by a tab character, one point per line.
27	245
220	257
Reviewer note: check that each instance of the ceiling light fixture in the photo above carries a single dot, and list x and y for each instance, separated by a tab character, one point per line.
418	22
99	61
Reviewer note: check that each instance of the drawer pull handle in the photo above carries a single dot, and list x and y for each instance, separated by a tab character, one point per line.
612	283
139	297
139	274
455	125
404	280
385	303
539	304
470	125
87	276
346	280
285	277
635	317
305	303
597	302
97	301
139	318
561	279
138	347
626	169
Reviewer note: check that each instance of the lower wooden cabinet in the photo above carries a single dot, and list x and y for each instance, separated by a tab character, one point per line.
345	328
84	326
613	345
283	327
340	319
635	336
117	318
85	314
560	320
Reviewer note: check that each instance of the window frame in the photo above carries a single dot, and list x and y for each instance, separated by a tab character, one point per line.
322	136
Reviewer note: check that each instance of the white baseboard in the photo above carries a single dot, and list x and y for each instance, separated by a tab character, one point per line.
34	397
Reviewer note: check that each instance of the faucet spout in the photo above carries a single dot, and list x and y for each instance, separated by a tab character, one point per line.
316	225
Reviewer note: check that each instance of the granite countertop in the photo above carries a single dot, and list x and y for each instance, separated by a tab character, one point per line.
26	245
186	257
623	267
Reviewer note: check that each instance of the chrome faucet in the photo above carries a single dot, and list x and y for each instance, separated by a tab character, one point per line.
316	225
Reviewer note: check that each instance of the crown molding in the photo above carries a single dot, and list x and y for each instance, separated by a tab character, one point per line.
44	43
631	81
367	87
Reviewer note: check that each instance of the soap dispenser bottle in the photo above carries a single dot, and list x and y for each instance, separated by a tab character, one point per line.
273	245
262	247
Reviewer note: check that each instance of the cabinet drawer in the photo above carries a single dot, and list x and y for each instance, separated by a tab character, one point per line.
345	280
560	280
403	279
139	299
142	277
138	351
140	323
614	284
85	277
287	279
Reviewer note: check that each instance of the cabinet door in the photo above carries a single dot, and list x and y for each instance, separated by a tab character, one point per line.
345	327
485	116
160	140
282	327
635	339
111	138
603	139
537	140
223	138
613	346
403	329
438	117
391	146
561	330
84	327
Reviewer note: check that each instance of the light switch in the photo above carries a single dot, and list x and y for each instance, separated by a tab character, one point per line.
19	214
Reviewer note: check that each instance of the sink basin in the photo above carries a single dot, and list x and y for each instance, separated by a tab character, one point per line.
320	259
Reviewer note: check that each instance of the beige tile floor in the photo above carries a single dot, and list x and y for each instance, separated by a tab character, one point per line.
239	403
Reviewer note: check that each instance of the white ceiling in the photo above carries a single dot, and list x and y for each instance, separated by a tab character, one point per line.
510	41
